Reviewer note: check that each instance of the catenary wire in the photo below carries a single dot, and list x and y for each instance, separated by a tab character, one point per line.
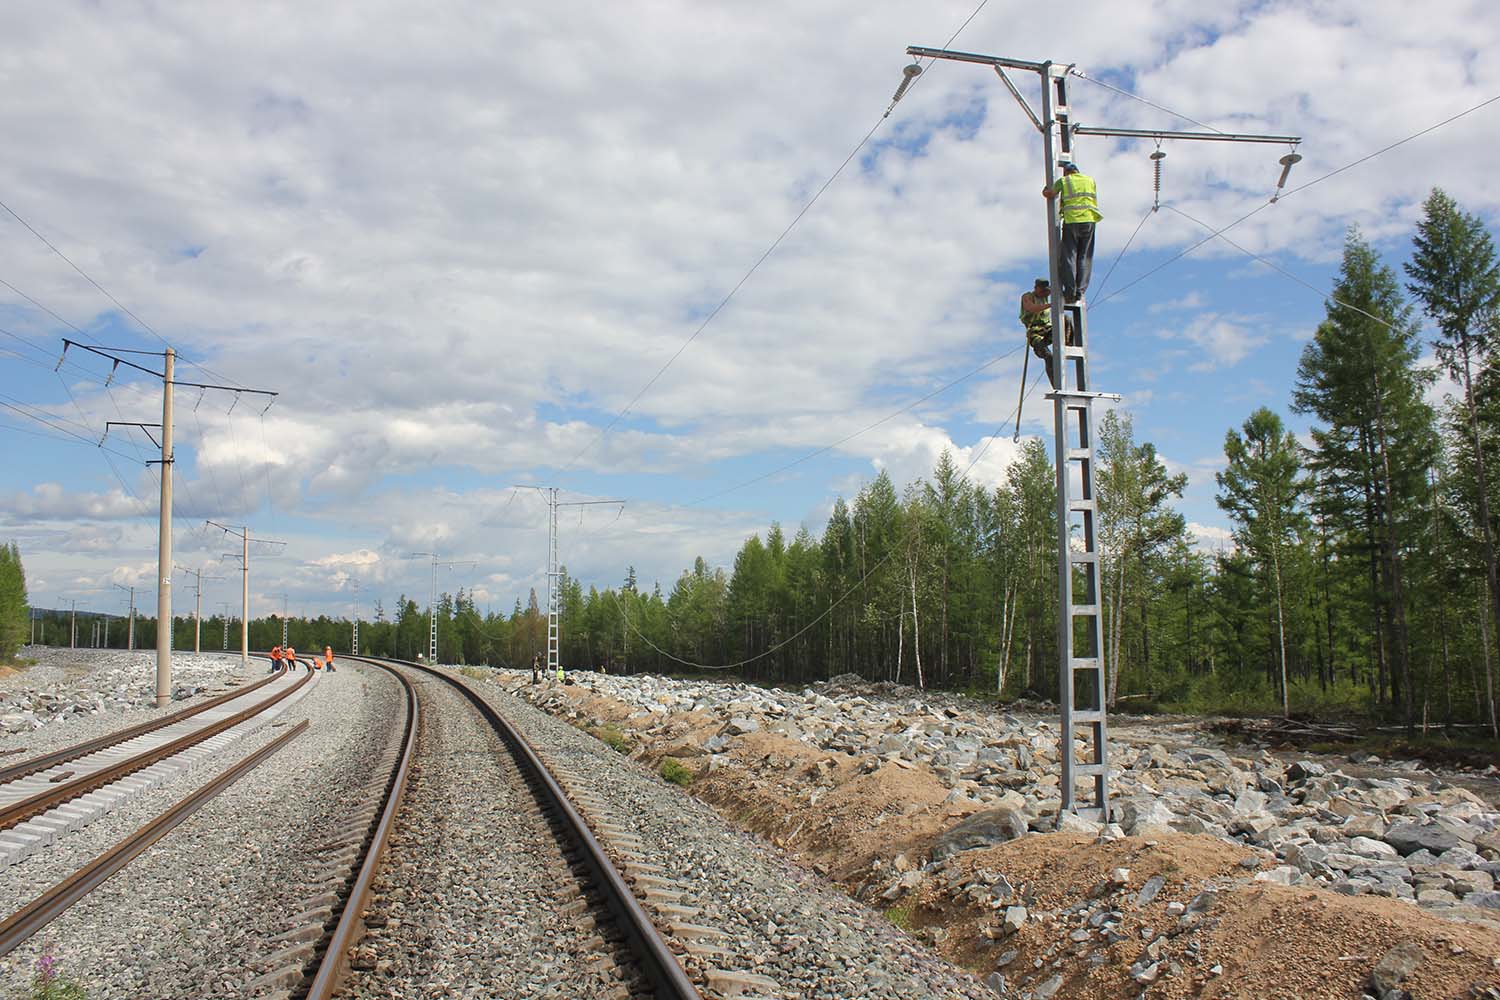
1303	187
1283	271
868	427
845	595
724	302
103	291
1137	97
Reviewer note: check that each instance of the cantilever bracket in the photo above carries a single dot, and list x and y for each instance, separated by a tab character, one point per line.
1080	394
1020	99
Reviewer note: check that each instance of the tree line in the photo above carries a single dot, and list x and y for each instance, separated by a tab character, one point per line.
1362	576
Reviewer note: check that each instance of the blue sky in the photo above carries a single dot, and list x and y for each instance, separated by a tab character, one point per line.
459	242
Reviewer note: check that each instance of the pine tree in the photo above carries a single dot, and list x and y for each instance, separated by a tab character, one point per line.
1261	489
1359	376
1455	274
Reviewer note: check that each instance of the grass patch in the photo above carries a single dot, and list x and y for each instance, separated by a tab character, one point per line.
900	916
673	771
612	738
474	672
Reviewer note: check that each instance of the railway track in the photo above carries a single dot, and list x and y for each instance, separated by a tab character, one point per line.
62	791
601	938
619	947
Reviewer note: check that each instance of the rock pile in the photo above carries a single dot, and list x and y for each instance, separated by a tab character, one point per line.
1408	835
68	684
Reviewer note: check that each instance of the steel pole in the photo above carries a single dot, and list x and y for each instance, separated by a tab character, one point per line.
73	627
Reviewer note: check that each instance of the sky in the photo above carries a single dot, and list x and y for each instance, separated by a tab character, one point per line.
460	240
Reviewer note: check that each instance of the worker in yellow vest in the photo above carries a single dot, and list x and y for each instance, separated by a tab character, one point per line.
1080	211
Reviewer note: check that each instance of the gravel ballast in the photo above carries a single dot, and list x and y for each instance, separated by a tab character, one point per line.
470	899
778	920
189	917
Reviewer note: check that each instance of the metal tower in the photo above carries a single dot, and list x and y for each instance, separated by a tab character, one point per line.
1080	633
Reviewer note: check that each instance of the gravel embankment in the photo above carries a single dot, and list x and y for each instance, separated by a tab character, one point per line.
780	921
189	916
1407	833
467	904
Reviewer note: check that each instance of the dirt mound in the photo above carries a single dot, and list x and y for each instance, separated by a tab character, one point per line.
1052	914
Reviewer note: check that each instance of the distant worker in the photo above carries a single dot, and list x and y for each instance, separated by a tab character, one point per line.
1080	211
328	658
275	659
536	667
291	659
1036	317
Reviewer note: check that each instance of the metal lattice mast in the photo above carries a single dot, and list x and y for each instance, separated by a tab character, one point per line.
224	607
554	568
1080	634
552	583
432	632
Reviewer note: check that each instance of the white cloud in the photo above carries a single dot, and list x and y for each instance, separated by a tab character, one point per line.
449	260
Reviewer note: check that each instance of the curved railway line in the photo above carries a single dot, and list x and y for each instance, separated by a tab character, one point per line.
311	956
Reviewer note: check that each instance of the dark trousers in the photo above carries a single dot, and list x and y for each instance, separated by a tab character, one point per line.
1076	260
1040	339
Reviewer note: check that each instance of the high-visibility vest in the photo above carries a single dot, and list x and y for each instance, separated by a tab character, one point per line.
1080	198
1031	319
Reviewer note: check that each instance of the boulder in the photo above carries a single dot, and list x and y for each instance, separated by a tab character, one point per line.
983	829
1409	838
1394	967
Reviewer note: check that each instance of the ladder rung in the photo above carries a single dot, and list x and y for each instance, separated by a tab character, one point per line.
1083	609
1088	717
1089	770
1080	504
1082	557
1084	662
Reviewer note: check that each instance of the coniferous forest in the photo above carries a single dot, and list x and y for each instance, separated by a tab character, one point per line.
1362	577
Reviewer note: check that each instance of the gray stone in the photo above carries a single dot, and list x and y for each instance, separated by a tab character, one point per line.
1488	900
742	724
1393	969
1408	838
1014	920
1149	890
1047	989
983	829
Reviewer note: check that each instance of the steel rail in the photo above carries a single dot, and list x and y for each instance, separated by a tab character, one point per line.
31	918
657	961
19	812
346	933
35	764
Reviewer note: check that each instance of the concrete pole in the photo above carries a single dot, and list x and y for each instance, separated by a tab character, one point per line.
164	546
245	598
73	627
198	615
130	632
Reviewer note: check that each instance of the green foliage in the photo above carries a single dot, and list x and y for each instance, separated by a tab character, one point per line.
47	983
901	916
612	738
673	771
14	612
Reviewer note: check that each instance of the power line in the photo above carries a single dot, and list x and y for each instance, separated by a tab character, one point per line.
868	427
1316	180
847	593
102	290
1284	272
713	314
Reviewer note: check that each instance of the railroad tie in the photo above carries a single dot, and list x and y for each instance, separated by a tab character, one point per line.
735	984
